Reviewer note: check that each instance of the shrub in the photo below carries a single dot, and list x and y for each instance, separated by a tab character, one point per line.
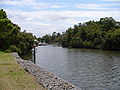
13	48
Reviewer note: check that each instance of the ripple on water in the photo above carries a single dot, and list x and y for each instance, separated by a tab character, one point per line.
86	68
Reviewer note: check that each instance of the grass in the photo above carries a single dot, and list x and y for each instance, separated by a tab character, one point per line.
13	77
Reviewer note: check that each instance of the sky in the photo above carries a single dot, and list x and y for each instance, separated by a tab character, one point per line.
42	17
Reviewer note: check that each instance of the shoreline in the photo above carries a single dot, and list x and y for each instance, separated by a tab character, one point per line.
46	79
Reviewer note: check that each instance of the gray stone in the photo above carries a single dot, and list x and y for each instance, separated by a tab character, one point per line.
45	78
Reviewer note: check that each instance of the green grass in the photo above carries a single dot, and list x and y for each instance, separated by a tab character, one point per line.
13	77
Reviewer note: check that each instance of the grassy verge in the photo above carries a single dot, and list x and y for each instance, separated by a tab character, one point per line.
13	77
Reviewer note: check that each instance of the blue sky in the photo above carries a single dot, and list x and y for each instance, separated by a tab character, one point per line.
46	16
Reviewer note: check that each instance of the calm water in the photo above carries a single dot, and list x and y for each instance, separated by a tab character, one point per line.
86	68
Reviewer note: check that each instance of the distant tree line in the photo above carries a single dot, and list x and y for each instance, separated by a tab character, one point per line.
11	38
102	34
51	39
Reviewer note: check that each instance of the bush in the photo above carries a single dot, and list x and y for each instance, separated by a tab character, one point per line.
13	48
22	46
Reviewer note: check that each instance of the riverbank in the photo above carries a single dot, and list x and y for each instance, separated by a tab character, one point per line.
45	78
13	76
87	68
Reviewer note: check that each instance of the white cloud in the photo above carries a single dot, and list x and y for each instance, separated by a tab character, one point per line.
8	2
58	6
112	0
43	22
97	6
40	29
31	4
25	3
34	4
90	6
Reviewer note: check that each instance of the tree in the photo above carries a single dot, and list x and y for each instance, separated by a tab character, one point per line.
11	39
107	23
102	34
3	14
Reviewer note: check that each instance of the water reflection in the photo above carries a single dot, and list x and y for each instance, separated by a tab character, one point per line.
86	68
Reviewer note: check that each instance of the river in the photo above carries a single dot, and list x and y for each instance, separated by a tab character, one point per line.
87	68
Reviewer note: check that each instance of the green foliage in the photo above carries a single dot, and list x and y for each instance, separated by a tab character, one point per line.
13	48
102	34
2	14
107	23
54	38
11	39
76	42
22	46
46	39
112	40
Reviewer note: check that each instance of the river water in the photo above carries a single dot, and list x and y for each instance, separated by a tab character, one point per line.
87	68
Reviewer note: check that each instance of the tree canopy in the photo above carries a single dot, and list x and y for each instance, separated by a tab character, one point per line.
102	34
11	37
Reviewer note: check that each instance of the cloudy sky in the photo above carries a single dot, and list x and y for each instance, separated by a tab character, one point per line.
46	16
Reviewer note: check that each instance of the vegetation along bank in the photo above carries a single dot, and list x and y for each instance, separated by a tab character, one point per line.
102	34
47	79
11	37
